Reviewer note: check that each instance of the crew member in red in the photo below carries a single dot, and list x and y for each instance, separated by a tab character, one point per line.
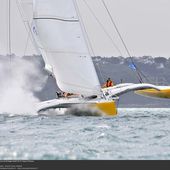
109	83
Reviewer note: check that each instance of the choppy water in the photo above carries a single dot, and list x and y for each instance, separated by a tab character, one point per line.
133	134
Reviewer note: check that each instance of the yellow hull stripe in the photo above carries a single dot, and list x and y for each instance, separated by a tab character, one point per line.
164	93
108	108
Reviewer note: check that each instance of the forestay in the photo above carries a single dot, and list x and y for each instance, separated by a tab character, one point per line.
58	30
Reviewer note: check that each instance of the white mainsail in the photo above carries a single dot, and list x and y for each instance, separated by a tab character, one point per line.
61	42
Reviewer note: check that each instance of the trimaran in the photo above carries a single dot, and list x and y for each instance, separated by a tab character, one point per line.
61	38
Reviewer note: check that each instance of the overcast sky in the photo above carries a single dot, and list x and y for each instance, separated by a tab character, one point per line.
144	25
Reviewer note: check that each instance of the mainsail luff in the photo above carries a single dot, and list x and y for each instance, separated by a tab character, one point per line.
60	37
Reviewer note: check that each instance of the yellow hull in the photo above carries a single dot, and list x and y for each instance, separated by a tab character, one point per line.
108	108
164	93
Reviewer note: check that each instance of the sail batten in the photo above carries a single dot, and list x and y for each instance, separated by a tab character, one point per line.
61	42
56	18
62	52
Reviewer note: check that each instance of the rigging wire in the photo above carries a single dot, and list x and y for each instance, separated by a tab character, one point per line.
26	25
108	35
84	31
85	34
139	73
124	44
99	66
105	31
146	78
27	41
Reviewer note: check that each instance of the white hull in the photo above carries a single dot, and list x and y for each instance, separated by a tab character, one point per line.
65	103
102	106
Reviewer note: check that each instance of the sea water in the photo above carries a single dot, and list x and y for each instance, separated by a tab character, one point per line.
135	134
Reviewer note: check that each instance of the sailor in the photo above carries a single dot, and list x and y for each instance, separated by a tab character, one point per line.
66	95
63	94
109	83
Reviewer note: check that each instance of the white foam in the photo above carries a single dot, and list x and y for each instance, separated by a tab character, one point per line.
19	79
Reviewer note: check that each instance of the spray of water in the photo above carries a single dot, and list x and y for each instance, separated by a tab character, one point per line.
19	79
82	110
78	110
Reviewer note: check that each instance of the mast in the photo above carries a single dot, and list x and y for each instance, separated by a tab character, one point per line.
85	35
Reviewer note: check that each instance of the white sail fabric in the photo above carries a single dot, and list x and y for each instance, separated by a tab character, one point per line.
59	32
15	37
26	9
